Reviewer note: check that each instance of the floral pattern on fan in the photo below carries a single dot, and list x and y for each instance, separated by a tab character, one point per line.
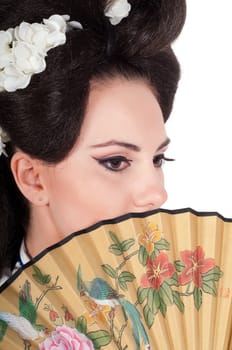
162	284
66	338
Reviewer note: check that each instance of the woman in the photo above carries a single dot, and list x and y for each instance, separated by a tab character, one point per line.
83	140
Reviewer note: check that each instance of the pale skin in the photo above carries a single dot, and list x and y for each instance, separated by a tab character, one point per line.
114	168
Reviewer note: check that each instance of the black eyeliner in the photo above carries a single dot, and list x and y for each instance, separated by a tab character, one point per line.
103	162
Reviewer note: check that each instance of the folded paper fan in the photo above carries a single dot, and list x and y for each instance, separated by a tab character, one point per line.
159	280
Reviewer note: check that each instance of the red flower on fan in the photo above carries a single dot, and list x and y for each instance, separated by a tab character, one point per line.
53	315
67	315
196	266
157	270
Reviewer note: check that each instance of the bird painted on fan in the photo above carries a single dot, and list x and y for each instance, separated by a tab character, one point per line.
21	326
24	324
103	294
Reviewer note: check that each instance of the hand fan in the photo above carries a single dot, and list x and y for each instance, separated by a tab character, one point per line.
159	280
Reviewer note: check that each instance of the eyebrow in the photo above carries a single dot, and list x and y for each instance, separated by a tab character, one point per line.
128	145
164	144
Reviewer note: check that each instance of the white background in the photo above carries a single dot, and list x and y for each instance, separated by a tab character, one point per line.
200	126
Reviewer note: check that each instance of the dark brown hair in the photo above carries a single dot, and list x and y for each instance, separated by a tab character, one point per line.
44	119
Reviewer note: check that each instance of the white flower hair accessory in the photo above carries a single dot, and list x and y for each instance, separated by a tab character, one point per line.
117	10
23	49
3	139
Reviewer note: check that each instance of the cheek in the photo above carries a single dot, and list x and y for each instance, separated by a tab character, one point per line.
80	203
64	202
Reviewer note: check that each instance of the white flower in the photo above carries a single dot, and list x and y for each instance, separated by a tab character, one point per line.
57	23
117	10
5	49
3	138
12	79
27	59
34	34
23	50
2	148
58	27
43	36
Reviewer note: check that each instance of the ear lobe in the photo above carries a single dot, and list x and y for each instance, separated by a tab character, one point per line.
26	172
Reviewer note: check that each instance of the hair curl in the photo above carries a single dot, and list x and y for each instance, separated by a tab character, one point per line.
44	119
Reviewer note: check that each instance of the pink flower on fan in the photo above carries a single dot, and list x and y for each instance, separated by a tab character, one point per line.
157	270
65	338
196	266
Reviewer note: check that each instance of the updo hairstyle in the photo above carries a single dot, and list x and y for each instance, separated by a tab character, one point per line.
44	119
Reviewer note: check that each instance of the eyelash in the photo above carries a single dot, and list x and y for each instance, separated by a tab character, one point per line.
117	159
158	161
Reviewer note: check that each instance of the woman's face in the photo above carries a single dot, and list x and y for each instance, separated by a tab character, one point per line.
116	164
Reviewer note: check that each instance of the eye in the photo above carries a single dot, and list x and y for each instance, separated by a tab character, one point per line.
117	163
159	160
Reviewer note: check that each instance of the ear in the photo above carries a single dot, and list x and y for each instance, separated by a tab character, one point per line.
27	175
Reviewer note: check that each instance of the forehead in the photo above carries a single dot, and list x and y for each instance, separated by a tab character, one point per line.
122	108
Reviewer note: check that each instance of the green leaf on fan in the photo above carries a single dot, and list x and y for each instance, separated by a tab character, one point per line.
150	299
143	255
127	276
155	253
46	279
213	275
209	287
79	279
109	270
39	277
153	300
37	271
99	338
81	324
148	316
177	301
165	293
114	238
142	294
162	244
126	245
3	328
163	308
157	299
122	285
179	265
173	281
197	294
116	249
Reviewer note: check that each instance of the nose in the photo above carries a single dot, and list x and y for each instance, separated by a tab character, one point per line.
149	193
